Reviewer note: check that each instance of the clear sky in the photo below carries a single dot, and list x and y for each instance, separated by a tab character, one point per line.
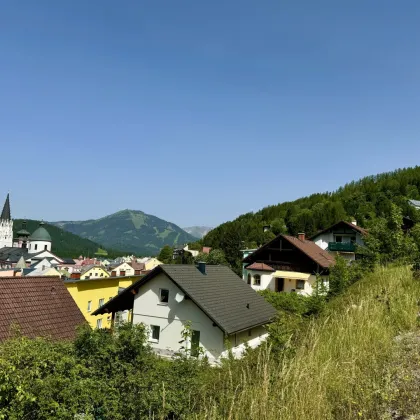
198	111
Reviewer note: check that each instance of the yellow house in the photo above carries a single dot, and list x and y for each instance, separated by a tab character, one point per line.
151	263
93	272
90	294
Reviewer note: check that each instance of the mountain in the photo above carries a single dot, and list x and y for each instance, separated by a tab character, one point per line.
198	231
64	244
130	231
366	200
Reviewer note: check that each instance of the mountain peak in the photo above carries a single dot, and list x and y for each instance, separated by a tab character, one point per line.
130	231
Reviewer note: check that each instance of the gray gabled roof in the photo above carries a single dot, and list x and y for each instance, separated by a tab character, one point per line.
223	296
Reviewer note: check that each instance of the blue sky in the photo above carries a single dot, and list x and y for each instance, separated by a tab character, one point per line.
197	111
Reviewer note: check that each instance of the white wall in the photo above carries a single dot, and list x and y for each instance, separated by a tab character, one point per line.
129	271
6	233
322	240
37	246
172	318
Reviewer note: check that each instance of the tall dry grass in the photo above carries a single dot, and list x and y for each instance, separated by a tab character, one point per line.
337	370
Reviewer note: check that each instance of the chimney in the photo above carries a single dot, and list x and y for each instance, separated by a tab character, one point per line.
202	267
354	222
301	236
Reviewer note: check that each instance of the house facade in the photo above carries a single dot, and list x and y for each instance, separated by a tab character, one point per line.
342	239
287	264
212	302
91	294
93	272
123	269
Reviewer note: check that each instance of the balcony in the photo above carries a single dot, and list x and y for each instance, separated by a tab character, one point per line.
341	246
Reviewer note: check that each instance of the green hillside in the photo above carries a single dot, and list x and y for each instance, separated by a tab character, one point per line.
130	231
366	200
64	244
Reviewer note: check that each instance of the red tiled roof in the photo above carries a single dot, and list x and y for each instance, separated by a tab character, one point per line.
313	251
38	306
349	225
206	250
260	267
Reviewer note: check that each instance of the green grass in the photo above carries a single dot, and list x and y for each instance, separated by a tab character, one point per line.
339	368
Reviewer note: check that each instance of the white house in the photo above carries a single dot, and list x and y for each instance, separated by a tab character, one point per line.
341	238
287	264
212	300
123	269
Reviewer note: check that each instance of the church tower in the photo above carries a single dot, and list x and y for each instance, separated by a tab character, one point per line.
6	225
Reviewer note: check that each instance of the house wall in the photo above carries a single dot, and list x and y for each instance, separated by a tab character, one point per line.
129	271
92	290
323	239
95	272
268	281
173	317
151	263
245	336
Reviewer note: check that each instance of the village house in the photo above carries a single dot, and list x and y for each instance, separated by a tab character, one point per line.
287	264
122	269
211	300
93	272
91	293
342	239
48	309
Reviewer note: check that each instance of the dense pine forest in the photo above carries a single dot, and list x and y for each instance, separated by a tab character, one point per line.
376	202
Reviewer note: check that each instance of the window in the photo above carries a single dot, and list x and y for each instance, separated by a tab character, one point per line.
45	247
249	279
195	343
353	239
163	296
122	273
249	333
257	280
300	284
338	239
36	246
89	308
99	323
154	333
101	302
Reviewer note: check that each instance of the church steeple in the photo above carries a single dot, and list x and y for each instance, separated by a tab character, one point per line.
5	214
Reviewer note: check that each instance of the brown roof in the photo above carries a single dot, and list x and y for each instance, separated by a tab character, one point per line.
260	267
38	306
312	250
137	266
342	222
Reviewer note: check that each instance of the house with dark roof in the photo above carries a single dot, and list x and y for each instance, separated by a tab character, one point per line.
287	264
342	238
37	306
216	304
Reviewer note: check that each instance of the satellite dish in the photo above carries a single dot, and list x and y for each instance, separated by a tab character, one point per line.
179	297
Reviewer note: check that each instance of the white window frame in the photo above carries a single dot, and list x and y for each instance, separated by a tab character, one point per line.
101	302
99	323
89	306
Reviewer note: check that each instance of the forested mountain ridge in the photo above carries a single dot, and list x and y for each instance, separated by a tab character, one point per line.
131	231
64	244
366	200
